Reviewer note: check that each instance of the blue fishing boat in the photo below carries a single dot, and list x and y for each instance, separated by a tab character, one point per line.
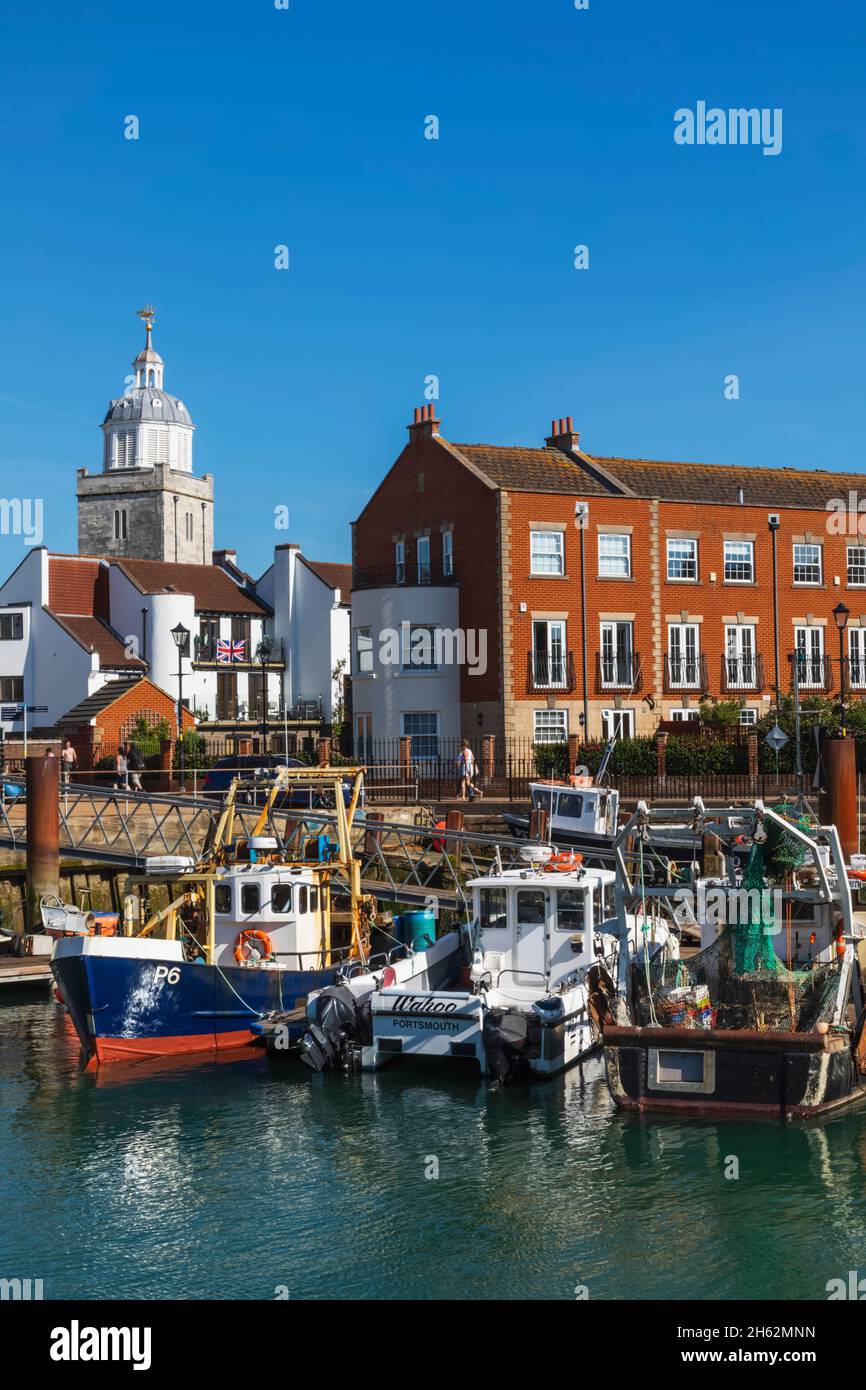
246	931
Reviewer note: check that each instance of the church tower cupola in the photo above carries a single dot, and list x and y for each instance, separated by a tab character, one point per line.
147	501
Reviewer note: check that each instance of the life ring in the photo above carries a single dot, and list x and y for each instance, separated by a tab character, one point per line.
439	844
563	863
857	873
839	937
242	953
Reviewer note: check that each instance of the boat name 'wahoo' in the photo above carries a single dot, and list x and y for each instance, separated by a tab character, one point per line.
412	1004
76	1343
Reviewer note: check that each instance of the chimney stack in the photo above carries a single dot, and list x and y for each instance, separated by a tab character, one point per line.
563	436
424	423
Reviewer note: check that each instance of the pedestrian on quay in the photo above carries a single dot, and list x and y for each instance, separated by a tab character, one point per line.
135	764
68	762
467	771
121	770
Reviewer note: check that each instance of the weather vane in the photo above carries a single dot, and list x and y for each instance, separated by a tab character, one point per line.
146	314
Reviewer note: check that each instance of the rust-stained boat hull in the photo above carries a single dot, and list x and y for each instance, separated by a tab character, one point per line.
735	1072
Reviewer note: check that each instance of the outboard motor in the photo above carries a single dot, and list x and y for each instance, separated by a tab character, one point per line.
505	1038
340	1022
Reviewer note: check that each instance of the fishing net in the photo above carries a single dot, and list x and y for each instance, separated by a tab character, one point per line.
739	981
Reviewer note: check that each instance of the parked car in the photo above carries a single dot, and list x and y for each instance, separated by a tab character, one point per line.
263	767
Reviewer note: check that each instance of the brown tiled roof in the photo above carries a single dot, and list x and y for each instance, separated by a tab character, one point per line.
334	575
531	470
212	589
77	585
552	470
719	482
94	634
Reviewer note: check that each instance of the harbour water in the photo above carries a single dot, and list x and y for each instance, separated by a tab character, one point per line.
236	1180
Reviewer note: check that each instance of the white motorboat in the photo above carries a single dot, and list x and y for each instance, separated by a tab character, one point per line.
544	937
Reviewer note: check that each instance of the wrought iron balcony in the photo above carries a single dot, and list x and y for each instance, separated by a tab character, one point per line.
545	672
742	673
215	654
812	672
855	672
618	671
686	673
408	575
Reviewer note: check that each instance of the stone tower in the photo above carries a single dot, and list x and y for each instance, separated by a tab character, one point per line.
146	502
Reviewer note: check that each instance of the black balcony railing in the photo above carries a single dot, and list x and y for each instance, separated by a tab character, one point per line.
812	672
618	671
211	654
547	672
686	673
855	672
742	673
408	575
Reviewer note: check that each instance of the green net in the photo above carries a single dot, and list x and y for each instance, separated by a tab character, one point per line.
739	981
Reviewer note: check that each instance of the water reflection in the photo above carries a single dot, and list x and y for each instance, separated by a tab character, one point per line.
229	1179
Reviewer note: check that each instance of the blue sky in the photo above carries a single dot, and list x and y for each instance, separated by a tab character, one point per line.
412	257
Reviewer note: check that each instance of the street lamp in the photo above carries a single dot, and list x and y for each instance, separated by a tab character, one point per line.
841	614
180	636
774	521
263	654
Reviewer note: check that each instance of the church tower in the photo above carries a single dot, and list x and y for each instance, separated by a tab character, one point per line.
146	503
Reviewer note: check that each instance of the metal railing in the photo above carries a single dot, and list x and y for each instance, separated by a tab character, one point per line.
812	672
742	673
686	673
409	574
546	672
618	671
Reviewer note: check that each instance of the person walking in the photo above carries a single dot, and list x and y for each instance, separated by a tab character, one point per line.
121	770
68	762
135	764
466	772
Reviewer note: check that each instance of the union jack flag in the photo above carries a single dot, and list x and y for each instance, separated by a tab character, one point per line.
230	650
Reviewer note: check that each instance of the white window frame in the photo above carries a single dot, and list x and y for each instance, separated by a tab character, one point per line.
803	564
15	622
547	546
363	656
422	555
858	566
738	560
748	718
121	524
399	562
407	638
610	554
550	725
682	560
857	657
556	652
364	737
740	658
685	716
810	671
448	554
612	657
682	644
617	723
417	752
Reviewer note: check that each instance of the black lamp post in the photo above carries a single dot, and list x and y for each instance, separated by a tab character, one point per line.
180	635
841	614
263	654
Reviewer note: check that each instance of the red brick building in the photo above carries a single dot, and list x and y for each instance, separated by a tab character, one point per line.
678	590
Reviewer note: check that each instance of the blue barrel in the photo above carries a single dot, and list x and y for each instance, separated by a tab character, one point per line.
417	929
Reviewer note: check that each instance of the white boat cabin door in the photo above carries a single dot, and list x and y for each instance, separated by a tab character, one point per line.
531	906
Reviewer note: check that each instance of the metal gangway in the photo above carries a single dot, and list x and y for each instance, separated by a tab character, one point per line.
403	862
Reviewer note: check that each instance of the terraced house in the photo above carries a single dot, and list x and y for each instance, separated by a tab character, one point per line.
672	563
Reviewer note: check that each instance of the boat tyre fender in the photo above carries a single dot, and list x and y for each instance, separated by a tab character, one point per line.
243	950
